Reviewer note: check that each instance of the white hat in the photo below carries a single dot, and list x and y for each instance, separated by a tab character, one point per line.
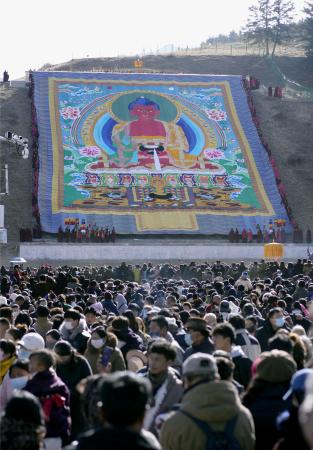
32	341
3	300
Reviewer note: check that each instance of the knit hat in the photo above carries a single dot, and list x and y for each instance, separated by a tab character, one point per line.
200	364
276	366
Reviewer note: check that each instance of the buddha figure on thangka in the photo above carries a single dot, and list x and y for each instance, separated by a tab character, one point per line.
156	151
147	142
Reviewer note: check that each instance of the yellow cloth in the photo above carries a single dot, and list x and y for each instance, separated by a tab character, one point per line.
273	250
4	366
174	220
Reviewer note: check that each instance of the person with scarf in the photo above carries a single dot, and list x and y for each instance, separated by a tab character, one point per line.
167	388
15	378
7	357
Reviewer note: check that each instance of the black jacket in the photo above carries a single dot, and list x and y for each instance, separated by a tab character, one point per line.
265	409
74	371
115	439
289	428
205	347
265	333
242	371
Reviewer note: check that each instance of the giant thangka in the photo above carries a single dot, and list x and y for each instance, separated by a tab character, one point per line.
148	153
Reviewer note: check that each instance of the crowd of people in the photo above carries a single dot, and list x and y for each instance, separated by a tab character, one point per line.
83	233
269	234
175	357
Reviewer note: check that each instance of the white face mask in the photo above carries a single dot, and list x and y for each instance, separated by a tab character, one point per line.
68	325
2	356
19	383
23	354
97	343
188	339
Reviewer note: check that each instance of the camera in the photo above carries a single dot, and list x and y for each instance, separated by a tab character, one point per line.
20	142
8	135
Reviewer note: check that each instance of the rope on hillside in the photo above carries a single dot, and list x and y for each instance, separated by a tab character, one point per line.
285	80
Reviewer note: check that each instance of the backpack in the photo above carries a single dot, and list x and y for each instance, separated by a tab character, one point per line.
217	440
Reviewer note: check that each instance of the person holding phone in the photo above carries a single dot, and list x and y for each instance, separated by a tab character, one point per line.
102	343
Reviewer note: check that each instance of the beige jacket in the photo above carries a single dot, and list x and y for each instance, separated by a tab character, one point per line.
214	402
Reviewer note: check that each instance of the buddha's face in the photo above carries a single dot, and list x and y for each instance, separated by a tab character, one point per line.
145	112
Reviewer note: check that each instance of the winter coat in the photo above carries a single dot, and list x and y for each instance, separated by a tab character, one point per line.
78	337
117	439
290	430
92	355
121	303
249	344
265	409
242	372
6	390
206	346
110	307
74	371
265	333
178	362
214	402
300	292
129	341
169	394
42	326
54	397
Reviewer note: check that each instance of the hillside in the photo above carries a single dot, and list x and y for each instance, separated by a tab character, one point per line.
294	68
285	123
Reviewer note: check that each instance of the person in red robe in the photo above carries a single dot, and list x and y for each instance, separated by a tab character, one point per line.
244	236
250	236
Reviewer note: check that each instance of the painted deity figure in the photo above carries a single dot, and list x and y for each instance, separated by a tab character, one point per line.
149	142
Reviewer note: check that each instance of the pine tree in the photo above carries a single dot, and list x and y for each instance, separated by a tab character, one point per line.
259	25
268	23
283	14
308	23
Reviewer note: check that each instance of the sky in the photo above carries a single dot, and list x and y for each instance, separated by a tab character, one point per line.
42	31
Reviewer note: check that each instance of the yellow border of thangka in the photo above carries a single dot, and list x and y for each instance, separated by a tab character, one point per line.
56	136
